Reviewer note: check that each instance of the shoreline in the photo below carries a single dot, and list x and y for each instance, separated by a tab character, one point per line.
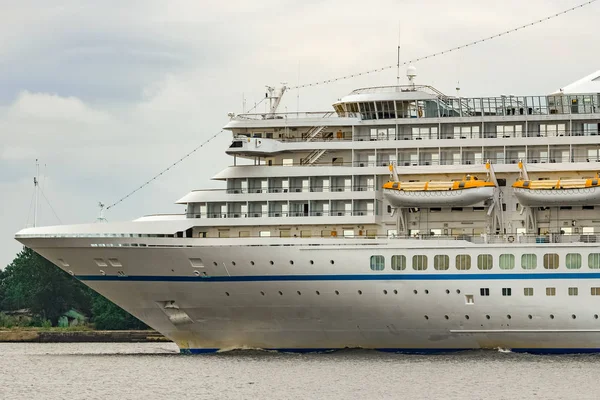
78	336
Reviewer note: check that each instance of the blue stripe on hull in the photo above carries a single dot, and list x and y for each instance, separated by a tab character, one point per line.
539	351
356	277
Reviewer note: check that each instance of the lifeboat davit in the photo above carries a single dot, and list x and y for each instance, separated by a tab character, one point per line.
548	193
466	192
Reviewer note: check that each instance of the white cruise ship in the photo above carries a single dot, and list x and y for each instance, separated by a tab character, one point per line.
403	220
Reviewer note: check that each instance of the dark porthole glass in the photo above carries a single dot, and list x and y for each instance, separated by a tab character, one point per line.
530	316
447	291
251	262
395	291
574	316
360	292
332	262
466	317
385	292
271	262
457	291
447	317
508	316
263	293
426	317
426	291
227	293
318	293
280	293
291	262
311	262
595	316
551	316
299	294
337	292
233	263
487	317
215	263
415	291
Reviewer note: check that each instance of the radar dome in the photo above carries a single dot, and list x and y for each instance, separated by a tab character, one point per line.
411	72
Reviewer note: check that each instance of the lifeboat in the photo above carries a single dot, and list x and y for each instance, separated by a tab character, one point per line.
548	193
466	192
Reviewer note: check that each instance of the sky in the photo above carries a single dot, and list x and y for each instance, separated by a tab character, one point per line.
108	93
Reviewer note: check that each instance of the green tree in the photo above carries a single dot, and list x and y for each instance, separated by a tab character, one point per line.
109	316
33	282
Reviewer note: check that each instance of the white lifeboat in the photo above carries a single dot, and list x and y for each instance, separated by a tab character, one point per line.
549	193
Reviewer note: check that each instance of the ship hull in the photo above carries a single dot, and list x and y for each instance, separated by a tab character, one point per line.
304	306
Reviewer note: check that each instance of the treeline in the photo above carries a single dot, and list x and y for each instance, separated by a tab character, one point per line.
34	283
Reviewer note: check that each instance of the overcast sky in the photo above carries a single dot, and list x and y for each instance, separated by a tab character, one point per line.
107	93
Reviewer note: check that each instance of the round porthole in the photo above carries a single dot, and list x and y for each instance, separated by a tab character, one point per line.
487	317
395	291
447	291
280	293
426	317
215	263
311	262
415	291
530	316
447	317
466	317
251	262
233	263
551	316
574	316
595	316
332	262
426	291
385	292
227	293
263	293
271	262
299	294
457	291
337	292
360	292
291	262
318	293
508	316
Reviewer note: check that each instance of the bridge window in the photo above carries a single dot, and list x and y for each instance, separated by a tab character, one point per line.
441	262
573	261
507	261
485	261
463	262
528	261
419	262
594	260
551	261
399	263
377	263
367	110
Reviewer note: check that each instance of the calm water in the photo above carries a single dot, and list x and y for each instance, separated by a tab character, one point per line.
151	371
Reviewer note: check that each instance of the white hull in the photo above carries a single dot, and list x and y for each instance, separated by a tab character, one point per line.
247	318
438	198
558	197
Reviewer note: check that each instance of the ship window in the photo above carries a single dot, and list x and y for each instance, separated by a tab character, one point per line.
196	262
573	291
441	262
305	233
550	291
377	263
528	291
551	261
264	233
594	260
528	261
573	261
399	263
596	291
100	262
484	291
507	261
419	262
506	291
463	262
114	262
485	261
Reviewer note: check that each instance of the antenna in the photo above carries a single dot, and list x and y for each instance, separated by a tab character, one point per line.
36	184
101	216
398	58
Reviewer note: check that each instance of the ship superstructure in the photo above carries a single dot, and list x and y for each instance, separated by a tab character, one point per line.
403	219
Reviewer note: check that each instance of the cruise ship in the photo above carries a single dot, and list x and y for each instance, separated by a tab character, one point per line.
402	220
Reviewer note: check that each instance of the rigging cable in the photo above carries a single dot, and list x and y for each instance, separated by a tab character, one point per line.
439	53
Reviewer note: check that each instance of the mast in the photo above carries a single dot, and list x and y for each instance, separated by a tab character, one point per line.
36	185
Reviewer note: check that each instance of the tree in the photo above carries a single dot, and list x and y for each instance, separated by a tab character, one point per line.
109	316
33	282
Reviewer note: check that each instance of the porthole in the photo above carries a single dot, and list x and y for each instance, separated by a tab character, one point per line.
487	317
336	292
263	293
291	262
574	316
395	291
299	294
197	273
457	291
332	262
415	291
102	272
215	263
71	273
360	292
466	317
595	316
529	316
426	291
233	263
447	317
508	316
311	262
385	292
251	262
551	316
227	293
271	262
318	293
280	293
426	317
447	291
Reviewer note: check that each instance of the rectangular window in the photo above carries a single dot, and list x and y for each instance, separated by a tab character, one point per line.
264	233
573	261
485	261
399	263
506	291
484	291
419	262
463	262
528	291
528	261
594	261
550	291
507	261
441	262
596	291
573	291
305	233
551	261
377	263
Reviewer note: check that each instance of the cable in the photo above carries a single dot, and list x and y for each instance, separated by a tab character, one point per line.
446	51
164	170
50	205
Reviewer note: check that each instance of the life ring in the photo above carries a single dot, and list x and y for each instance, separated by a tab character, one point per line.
511	239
